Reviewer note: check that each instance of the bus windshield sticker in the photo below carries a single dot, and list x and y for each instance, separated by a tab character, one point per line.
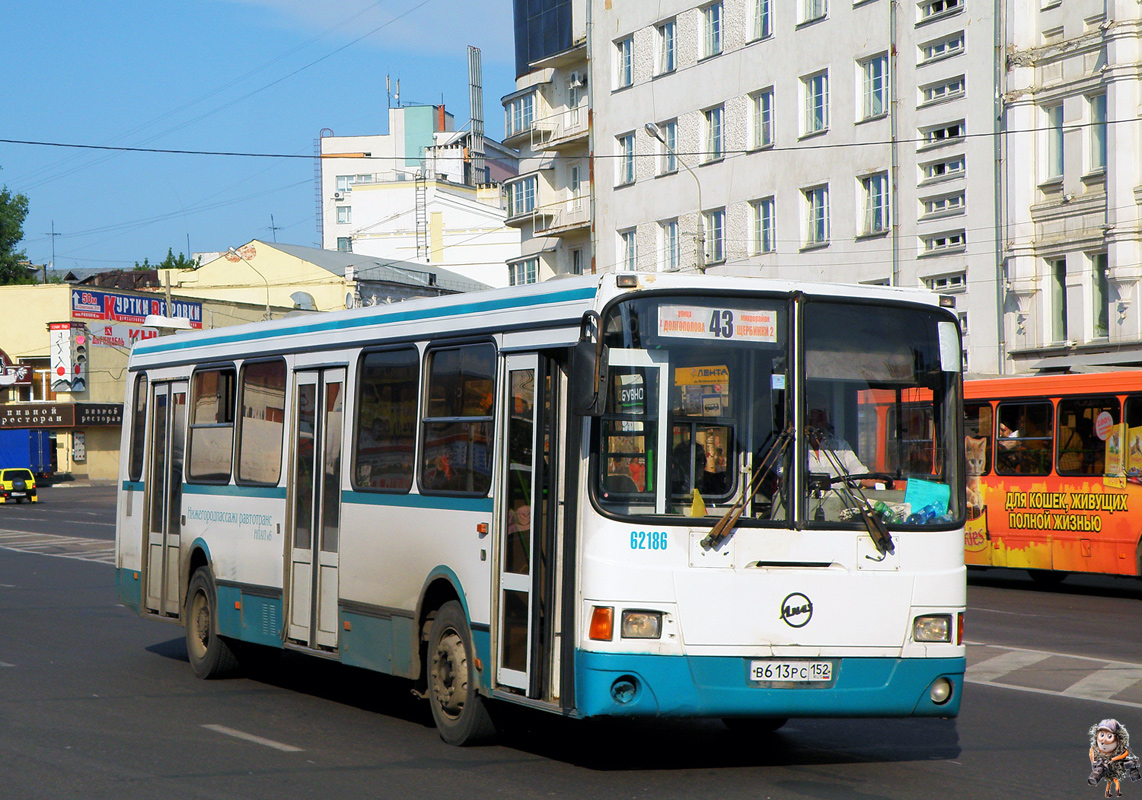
951	360
705	390
703	322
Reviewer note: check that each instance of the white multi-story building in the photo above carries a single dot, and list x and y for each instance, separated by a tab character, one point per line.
411	195
821	140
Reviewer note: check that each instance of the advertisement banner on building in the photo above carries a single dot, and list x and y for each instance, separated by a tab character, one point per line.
12	374
111	335
130	309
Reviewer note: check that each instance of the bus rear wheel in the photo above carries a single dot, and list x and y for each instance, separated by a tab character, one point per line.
210	655
459	711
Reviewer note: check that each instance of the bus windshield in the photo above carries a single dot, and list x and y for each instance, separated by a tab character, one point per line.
700	389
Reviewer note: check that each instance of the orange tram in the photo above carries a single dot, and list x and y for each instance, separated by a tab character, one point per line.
1054	473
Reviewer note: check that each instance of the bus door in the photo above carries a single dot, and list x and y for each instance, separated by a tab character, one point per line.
527	630
315	523
164	497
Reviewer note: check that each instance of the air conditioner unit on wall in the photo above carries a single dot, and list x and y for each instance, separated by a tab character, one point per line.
338	195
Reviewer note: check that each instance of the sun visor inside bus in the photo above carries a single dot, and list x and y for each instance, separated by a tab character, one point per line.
875	366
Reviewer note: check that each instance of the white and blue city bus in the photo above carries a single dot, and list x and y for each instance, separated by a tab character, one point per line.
591	496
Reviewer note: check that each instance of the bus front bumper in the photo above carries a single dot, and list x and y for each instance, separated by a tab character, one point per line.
629	685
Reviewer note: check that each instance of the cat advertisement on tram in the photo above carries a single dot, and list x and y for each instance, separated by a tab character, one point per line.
1054	474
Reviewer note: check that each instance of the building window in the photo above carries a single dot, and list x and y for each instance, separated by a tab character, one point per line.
761	122
1053	166
813	10
1100	295
874	79
518	114
932	137
763	233
669	257
762	19
345	183
942	48
577	262
345	244
521	197
715	224
715	148
1098	133
944	169
1058	295
875	202
816	89
944	242
667	46
944	90
712	30
625	146
624	62
956	282
521	272
816	216
628	250
930	9
344	215
943	206
668	162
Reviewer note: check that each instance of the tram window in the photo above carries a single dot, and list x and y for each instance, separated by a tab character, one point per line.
138	428
1023	438
385	433
456	452
1079	450
977	437
262	424
211	426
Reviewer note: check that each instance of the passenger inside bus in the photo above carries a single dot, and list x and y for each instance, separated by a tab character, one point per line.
830	454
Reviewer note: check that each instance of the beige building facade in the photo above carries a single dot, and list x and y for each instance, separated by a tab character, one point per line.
65	367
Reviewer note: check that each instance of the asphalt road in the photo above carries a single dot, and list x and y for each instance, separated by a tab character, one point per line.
98	703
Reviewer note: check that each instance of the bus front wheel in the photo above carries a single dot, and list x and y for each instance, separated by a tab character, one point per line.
210	655
459	711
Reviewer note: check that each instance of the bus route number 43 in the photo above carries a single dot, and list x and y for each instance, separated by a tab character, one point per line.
722	323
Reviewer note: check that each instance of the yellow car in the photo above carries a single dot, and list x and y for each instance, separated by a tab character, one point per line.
17	485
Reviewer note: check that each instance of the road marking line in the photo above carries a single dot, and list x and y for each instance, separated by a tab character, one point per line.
1103	684
6	664
1005	648
249	737
998	666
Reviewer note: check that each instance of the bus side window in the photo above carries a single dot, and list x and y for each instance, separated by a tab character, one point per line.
1079	450
977	437
138	428
211	426
456	455
1024	436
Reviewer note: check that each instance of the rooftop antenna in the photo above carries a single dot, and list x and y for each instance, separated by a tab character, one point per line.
53	234
397	95
388	91
273	229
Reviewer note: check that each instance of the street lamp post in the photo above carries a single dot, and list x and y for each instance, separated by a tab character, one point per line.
656	132
236	254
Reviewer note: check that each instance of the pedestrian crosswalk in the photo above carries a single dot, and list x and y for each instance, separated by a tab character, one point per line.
1059	674
51	544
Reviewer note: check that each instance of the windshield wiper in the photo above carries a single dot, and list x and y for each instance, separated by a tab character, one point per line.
856	498
723	527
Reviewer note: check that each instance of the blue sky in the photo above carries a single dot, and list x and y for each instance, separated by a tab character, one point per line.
251	76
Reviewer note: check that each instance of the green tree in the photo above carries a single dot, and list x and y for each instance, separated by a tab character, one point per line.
13	262
170	262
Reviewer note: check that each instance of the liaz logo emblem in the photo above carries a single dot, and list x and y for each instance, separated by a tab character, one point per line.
796	610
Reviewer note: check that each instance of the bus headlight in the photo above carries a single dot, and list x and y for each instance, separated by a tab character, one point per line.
642	625
932	628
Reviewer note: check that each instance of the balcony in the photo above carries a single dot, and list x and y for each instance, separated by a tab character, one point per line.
566	217
565	128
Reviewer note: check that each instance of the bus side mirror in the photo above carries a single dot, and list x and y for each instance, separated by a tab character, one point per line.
589	363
